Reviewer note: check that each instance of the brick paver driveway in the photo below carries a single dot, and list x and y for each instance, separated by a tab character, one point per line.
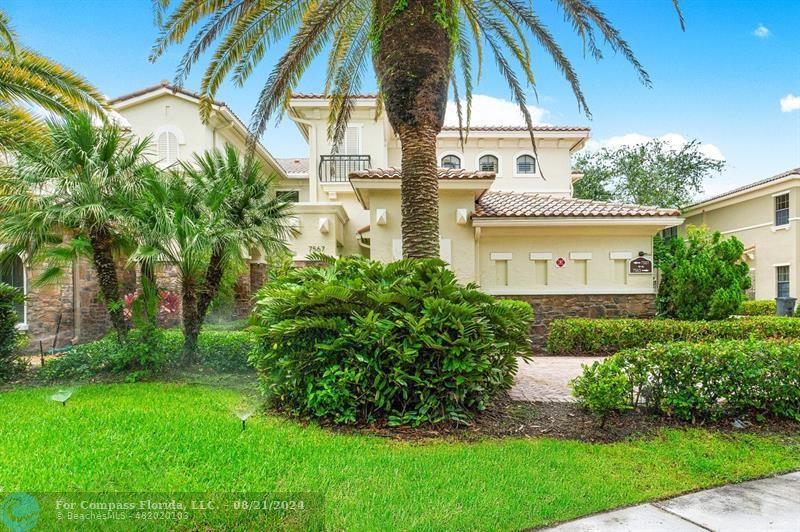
546	378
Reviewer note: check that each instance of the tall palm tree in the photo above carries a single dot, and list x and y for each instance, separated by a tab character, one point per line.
204	218
30	79
415	46
68	197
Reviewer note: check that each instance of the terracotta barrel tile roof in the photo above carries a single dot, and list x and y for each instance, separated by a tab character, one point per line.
444	173
513	204
518	128
294	165
321	96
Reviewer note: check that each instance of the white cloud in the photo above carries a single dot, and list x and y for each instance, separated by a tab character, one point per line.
491	111
674	140
761	31
790	103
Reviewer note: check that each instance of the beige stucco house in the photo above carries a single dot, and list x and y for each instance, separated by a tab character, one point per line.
507	217
765	216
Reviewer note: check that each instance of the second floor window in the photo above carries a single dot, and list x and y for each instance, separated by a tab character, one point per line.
782	275
451	161
526	164
669	233
488	163
167	145
351	143
782	209
288	195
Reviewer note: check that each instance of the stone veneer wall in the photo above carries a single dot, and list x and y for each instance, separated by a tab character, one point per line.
547	308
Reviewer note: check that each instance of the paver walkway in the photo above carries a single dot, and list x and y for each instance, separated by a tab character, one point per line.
547	378
770	504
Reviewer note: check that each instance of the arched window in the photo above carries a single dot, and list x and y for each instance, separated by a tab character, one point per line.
451	161
12	273
167	144
526	164
488	163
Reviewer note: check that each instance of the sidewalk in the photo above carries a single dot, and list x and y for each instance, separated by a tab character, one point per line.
770	504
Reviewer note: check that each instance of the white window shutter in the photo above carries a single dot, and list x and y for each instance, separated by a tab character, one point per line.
167	145
352	141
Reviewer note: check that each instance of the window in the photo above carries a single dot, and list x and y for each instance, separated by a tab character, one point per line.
288	195
782	275
669	233
451	161
167	145
488	163
12	273
526	164
782	209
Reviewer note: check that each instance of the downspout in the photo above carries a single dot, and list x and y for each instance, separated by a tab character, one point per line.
313	189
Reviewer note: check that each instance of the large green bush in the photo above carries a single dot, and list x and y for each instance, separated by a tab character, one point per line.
10	363
760	307
360	341
703	276
226	351
578	336
698	381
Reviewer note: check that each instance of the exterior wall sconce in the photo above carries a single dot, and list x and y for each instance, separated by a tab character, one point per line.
461	216
324	225
380	216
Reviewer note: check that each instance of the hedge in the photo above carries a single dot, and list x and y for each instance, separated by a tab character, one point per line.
222	351
697	381
10	362
761	307
582	336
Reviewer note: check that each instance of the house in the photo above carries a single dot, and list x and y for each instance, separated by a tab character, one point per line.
170	116
764	215
508	220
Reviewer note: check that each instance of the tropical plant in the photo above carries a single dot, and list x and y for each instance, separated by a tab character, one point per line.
703	276
28	78
69	197
653	173
360	341
204	217
416	47
10	362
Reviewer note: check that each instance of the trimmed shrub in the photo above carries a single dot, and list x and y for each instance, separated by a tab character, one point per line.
699	381
761	307
10	363
221	351
579	336
362	341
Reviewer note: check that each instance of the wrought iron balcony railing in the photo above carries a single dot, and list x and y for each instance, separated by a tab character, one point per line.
336	168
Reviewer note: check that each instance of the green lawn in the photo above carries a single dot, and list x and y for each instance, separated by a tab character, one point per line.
162	437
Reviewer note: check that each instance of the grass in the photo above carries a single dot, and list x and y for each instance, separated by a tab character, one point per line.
181	437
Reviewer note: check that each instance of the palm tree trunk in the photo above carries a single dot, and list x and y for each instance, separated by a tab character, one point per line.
104	265
191	324
211	286
413	66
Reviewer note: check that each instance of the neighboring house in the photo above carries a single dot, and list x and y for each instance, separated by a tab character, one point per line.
171	117
507	217
765	216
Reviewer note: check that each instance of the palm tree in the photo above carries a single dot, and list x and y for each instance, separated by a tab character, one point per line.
203	218
68	198
416	46
27	78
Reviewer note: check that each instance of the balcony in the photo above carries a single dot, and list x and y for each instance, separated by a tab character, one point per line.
336	168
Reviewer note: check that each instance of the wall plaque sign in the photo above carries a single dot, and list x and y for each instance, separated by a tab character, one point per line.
640	265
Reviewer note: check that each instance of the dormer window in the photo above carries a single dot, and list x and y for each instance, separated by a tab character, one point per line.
488	163
782	209
451	162
526	165
168	141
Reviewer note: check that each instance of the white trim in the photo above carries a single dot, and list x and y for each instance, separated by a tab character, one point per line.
782	264
169	128
655	221
541	256
620	255
444	154
580	255
735	197
784	227
781	193
493	154
566	291
536	172
500	256
748	228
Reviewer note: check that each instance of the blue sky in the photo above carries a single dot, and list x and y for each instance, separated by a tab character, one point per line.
721	81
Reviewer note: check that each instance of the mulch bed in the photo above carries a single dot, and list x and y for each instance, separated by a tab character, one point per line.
507	418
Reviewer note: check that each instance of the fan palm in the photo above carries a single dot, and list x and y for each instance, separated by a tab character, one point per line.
68	197
416	46
204	218
30	79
